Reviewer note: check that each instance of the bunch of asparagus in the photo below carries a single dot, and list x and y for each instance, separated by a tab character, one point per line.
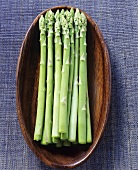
63	114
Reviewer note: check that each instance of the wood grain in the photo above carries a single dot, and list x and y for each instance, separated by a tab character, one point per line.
99	85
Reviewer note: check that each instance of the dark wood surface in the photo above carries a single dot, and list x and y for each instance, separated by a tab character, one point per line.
99	81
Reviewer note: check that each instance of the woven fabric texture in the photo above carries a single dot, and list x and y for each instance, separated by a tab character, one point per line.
118	21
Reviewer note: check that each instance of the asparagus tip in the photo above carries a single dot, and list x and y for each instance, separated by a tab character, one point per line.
41	23
77	17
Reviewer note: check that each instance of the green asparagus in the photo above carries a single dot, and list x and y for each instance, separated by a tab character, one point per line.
82	82
74	106
65	78
41	87
63	103
58	53
88	121
49	96
69	16
71	69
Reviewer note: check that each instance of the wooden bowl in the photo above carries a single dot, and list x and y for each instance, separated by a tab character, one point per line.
99	84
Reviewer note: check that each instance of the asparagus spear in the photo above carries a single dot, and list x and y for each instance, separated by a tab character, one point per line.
65	78
49	96
55	128
82	82
62	15
63	136
55	140
71	69
89	133
43	141
74	106
88	118
41	87
69	16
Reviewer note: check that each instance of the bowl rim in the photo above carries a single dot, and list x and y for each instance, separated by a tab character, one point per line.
108	83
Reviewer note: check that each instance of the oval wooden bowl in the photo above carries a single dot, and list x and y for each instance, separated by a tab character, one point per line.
99	84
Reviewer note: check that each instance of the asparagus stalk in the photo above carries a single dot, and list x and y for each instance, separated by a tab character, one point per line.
55	140
56	104
49	96
43	141
65	78
74	105
71	69
89	133
82	82
62	15
88	118
63	136
41	87
69	16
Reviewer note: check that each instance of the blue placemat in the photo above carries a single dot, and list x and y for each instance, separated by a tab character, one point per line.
118	20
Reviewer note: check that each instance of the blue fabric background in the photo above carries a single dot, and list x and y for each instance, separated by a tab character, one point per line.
118	20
